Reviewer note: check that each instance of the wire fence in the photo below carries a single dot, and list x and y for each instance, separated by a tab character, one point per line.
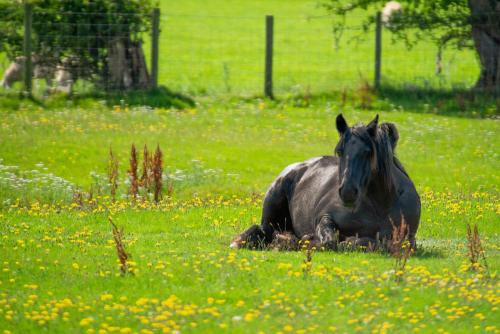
79	52
217	54
204	54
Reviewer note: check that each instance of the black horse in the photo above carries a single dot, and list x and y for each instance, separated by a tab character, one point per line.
363	192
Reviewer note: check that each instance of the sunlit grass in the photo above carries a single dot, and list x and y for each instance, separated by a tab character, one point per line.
60	271
217	47
246	143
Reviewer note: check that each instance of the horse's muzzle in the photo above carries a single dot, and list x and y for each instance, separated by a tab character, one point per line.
348	195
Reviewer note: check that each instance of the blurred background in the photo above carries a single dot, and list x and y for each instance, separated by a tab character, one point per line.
219	47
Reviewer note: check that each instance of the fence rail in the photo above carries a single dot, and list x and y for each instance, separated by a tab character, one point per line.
207	54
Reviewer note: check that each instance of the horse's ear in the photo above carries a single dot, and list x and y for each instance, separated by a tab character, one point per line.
372	127
392	133
341	124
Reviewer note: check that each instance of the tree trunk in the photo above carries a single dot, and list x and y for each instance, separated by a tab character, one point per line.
139	68
119	77
486	36
126	66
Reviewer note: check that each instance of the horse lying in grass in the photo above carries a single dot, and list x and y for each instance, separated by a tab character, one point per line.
358	196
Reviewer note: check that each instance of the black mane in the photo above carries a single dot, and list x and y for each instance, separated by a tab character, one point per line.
382	151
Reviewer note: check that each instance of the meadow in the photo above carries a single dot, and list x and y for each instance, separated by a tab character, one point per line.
216	47
222	148
59	265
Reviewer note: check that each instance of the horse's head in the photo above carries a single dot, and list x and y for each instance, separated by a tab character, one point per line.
363	151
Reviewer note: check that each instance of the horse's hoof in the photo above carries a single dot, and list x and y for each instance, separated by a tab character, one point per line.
330	245
236	243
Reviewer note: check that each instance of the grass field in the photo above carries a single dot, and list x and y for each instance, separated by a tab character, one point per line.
59	267
60	273
217	47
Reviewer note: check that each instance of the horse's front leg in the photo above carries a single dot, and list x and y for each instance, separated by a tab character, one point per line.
254	237
326	233
364	244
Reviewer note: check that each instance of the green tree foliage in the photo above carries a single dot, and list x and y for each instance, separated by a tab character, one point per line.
11	38
85	29
449	23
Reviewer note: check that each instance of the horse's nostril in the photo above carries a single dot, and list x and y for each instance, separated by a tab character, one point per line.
348	195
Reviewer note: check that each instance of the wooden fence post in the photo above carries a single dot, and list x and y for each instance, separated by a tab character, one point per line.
155	35
268	79
28	66
378	50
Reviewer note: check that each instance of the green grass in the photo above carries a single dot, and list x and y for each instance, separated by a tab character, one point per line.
60	256
251	141
66	264
217	47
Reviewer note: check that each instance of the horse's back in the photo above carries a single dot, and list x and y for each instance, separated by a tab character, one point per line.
308	183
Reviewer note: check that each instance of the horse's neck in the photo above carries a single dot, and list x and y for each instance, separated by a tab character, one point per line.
382	191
